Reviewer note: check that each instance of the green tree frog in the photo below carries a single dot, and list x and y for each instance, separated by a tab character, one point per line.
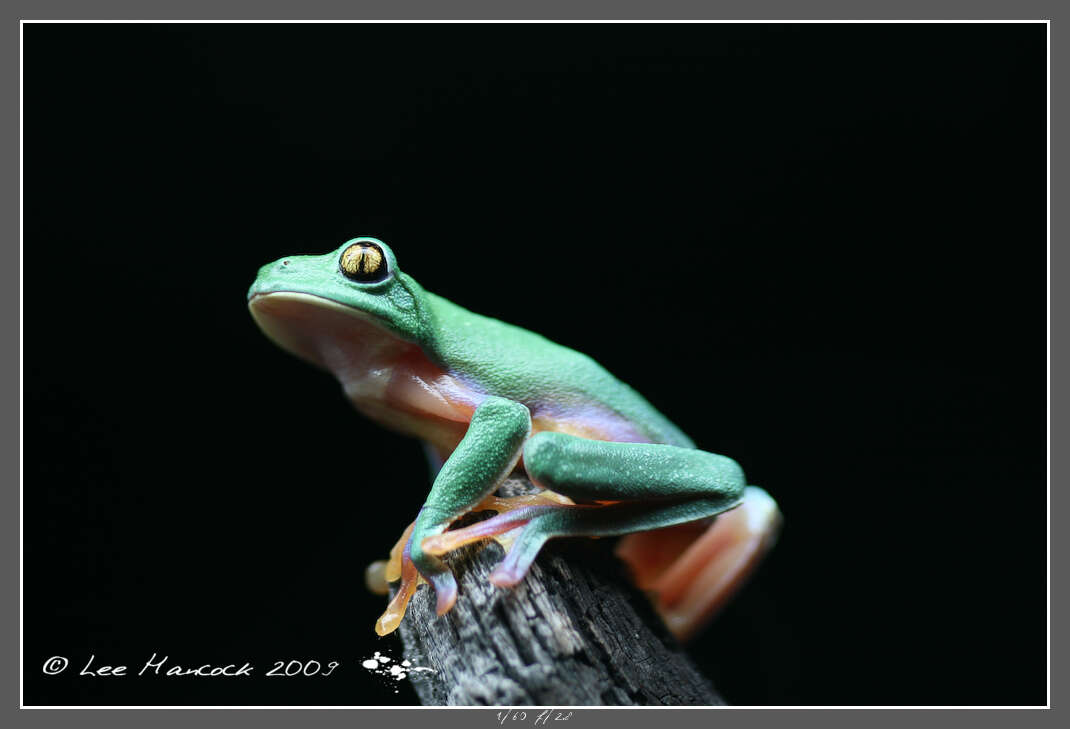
488	397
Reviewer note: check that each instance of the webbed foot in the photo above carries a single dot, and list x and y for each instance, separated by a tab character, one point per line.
522	526
513	513
402	565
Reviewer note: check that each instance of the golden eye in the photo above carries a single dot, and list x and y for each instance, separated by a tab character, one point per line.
363	262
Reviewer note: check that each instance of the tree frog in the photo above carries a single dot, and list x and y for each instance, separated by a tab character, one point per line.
487	398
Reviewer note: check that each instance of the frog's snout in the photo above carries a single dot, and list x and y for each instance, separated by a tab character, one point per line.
270	276
280	267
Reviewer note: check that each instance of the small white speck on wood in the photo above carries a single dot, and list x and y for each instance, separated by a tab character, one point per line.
574	633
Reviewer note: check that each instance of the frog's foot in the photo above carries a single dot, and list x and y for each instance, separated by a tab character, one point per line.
691	570
512	515
523	531
392	572
375	578
515	529
399	566
442	581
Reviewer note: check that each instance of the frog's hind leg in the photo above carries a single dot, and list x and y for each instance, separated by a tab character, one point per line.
690	571
627	487
538	524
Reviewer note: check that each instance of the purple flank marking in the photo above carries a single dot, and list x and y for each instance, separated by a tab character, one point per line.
591	417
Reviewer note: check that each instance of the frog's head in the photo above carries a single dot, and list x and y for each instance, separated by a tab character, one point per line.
345	311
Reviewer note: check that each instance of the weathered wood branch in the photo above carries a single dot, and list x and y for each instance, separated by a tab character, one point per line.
574	633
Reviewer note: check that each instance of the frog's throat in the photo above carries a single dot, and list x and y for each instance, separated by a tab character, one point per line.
328	334
386	377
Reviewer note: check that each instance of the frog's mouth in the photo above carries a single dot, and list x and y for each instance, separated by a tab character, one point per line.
349	342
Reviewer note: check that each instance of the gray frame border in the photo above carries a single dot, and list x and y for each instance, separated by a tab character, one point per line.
581	10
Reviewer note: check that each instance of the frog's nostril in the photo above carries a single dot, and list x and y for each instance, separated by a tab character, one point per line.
286	263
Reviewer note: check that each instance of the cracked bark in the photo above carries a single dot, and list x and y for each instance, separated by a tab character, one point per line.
574	633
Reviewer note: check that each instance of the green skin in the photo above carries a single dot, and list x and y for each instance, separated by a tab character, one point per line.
660	478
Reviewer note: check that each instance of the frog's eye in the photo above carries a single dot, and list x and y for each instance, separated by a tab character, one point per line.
363	262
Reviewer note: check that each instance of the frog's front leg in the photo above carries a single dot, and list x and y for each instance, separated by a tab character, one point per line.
485	456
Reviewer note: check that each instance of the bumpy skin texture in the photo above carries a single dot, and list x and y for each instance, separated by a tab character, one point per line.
594	470
581	432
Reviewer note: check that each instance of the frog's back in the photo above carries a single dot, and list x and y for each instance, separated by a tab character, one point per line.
565	390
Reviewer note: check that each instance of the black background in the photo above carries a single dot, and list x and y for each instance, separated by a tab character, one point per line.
819	249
